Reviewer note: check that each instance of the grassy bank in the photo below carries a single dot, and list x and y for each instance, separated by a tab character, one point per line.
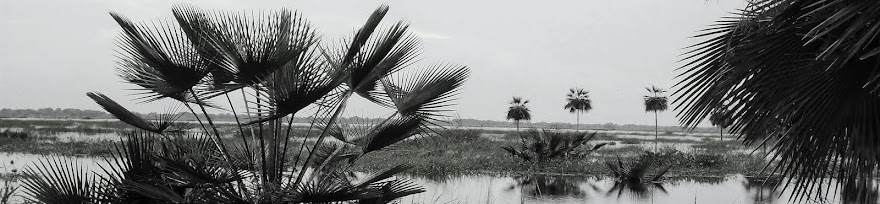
459	151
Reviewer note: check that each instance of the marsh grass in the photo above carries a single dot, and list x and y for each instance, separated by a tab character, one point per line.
456	151
462	152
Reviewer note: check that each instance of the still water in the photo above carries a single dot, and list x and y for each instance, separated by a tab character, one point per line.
545	189
573	189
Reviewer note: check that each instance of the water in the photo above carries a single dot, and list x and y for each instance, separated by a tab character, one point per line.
574	189
541	188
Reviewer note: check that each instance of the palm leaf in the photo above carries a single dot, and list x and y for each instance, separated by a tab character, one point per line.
298	84
160	60
246	47
127	116
426	94
395	130
369	57
57	180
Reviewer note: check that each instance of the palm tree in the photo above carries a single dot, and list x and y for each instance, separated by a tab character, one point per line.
720	119
518	111
578	102
276	59
800	72
655	102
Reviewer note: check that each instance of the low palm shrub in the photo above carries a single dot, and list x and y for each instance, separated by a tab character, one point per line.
637	171
544	146
277	65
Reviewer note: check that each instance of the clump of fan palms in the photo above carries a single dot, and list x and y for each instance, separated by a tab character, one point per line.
546	146
578	102
801	72
655	102
279	64
637	177
636	171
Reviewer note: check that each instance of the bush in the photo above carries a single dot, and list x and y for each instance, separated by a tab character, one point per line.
669	156
22	135
707	160
460	135
629	141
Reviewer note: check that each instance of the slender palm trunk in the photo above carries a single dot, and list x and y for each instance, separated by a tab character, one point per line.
521	139
721	132
655	131
578	124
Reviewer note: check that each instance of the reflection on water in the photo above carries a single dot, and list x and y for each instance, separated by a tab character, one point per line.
570	189
551	187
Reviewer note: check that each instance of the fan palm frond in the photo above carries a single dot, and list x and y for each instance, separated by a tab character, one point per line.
132	161
372	56
160	60
247	47
393	190
396	129
298	84
57	180
425	94
127	116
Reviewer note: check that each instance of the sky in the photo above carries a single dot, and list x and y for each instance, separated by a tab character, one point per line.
54	51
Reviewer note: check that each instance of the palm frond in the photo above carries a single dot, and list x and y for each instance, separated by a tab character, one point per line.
57	180
369	57
298	84
125	115
246	47
160	60
160	193
393	190
396	129
426	94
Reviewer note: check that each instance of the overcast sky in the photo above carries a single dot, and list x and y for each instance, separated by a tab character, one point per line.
53	51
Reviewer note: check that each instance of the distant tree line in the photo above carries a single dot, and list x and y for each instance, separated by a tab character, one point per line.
73	113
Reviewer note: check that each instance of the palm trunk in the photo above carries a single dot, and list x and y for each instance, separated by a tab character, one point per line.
721	132
521	139
655	131
578	125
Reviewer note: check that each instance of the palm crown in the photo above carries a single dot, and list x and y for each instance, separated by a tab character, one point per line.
578	100
655	101
518	110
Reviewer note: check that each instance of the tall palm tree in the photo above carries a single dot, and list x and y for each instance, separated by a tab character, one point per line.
655	102
720	119
518	111
801	72
578	102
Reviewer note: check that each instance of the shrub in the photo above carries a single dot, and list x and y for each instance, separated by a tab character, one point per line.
8	134
629	141
544	146
669	156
